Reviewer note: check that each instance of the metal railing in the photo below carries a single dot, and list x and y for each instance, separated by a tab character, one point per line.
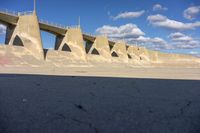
53	24
25	13
8	12
57	25
13	13
89	34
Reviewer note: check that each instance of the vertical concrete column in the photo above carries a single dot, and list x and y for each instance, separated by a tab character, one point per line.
132	51
143	53
101	46
153	56
119	52
27	34
72	42
9	32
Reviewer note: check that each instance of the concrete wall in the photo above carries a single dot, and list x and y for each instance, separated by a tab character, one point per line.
62	58
99	51
119	53
16	56
27	34
72	43
139	55
165	59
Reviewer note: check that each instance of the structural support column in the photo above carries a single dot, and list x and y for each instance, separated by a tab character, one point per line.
26	34
119	52
72	42
101	48
133	53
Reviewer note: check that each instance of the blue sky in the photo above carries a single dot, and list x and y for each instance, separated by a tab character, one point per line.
166	25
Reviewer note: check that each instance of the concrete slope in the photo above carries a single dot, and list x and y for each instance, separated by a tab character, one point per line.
119	53
99	51
16	56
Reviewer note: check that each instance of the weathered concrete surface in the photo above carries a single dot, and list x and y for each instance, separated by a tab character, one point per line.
63	58
72	43
8	18
24	31
100	51
18	56
119	53
138	55
27	34
165	59
52	104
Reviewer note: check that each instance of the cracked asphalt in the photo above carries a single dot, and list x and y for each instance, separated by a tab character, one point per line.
55	104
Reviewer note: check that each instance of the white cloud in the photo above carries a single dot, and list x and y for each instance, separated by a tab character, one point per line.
180	40
195	53
2	29
177	36
158	7
155	43
131	34
191	12
128	15
124	31
163	21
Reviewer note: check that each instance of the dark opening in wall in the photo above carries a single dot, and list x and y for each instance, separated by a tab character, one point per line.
95	52
114	54
18	41
88	45
129	56
140	58
66	48
111	46
45	53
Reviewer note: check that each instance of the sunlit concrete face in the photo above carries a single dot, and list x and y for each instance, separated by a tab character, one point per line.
119	52
24	48
99	51
26	34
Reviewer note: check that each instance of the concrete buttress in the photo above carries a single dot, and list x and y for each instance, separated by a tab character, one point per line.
100	47
26	34
72	43
119	52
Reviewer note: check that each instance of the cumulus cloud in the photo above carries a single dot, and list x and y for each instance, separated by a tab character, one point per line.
158	7
2	29
131	34
163	21
191	12
195	53
155	43
180	40
177	36
128	15
124	31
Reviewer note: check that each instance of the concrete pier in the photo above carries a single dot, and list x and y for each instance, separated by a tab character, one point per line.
26	34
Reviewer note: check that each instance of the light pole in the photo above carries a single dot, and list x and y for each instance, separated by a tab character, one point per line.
34	6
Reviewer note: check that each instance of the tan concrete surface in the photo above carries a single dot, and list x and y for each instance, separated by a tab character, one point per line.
72	43
100	51
119	53
27	32
25	54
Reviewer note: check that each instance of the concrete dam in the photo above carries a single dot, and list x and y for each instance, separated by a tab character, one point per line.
23	51
90	84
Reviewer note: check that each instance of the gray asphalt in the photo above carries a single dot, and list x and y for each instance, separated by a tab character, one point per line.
53	104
